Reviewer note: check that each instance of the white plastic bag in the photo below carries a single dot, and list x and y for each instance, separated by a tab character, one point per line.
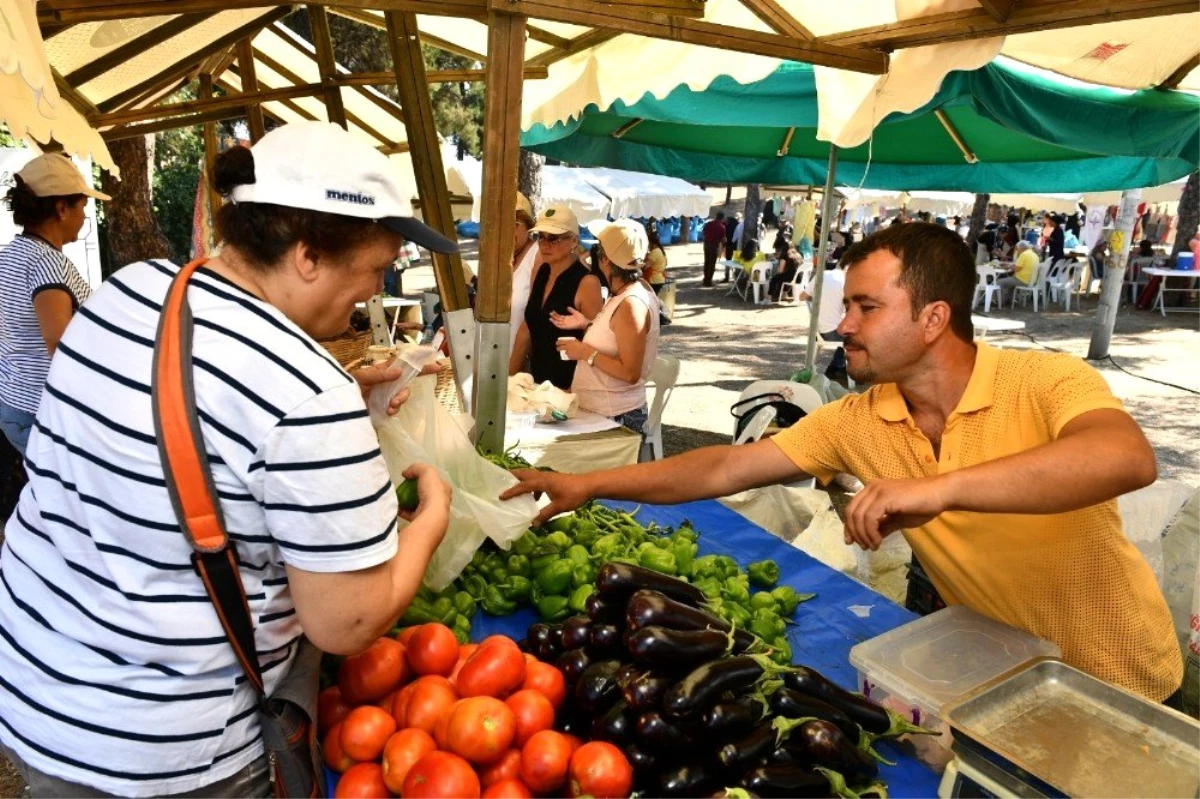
425	432
544	399
412	358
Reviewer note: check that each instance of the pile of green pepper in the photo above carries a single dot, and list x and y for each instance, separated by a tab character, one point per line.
452	606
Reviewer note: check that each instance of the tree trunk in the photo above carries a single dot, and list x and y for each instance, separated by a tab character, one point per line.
133	232
978	220
1189	216
754	206
529	177
728	194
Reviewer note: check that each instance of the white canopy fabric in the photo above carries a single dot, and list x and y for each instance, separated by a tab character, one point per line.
1057	203
560	184
638	194
1168	193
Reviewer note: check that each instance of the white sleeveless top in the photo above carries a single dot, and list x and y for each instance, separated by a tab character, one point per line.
602	393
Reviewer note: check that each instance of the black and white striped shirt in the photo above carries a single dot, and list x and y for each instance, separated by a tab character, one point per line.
29	266
114	671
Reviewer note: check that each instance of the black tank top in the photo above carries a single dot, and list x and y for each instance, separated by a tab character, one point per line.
544	361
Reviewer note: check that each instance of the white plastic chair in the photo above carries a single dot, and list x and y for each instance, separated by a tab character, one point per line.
789	293
1065	283
802	396
760	283
662	378
1036	287
986	286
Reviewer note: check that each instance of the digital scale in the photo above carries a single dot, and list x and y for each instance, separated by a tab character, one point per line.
971	778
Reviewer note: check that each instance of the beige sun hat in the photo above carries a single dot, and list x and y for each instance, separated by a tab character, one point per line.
624	242
557	219
55	175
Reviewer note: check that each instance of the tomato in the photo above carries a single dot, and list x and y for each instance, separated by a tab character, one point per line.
441	775
495	669
529	659
362	781
331	709
433	649
407	633
365	731
400	704
507	767
385	704
574	740
401	753
441	728
544	761
331	749
464	654
508	789
427	702
481	729
600	769
533	712
546	680
374	673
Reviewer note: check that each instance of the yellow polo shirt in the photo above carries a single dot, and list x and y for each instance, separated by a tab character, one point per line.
1072	578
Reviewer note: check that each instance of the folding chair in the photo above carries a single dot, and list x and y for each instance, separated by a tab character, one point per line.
662	377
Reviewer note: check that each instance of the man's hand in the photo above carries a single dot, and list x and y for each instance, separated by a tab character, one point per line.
885	506
566	491
370	376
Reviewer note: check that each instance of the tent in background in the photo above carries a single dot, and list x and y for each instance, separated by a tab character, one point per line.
643	195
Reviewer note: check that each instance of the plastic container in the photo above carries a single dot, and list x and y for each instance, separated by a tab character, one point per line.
921	667
1185	261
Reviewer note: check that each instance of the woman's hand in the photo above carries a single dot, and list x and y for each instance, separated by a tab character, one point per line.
571	320
370	376
575	350
433	495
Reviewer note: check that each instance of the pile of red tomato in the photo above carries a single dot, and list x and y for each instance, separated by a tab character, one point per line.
422	717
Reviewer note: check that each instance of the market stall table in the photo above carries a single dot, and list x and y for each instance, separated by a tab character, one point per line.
1190	275
986	324
587	442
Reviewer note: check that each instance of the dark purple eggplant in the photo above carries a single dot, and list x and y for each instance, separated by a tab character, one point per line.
650	608
793	704
597	688
616	582
574	723
572	664
525	646
545	641
644	762
872	717
703	686
598	610
821	743
606	641
745	752
576	631
659	735
615	725
693	778
725	721
787	780
661	647
646	690
628	673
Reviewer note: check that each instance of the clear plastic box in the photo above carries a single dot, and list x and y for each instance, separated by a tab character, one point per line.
919	668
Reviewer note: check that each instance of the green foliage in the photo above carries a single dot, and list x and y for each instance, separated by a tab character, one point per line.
178	158
6	138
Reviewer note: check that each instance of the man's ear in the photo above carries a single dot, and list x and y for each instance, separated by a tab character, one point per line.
304	261
936	320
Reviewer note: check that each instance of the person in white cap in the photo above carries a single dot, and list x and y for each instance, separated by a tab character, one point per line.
40	289
560	283
118	677
618	350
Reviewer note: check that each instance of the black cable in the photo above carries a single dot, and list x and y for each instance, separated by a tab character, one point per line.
1109	358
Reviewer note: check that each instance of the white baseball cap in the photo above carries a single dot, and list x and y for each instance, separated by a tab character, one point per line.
54	175
624	241
557	219
319	166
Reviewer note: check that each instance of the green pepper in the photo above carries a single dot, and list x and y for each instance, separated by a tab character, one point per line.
763	600
579	596
685	556
555	578
707	567
710	586
788	598
737	615
553	608
406	495
767	625
518	564
464	603
659	560
578	554
497	574
558	540
781	651
419	611
525	544
443	610
496	604
583	574
475	585
735	591
728	565
517	588
539	563
562	524
478	558
586	533
462	629
608	546
764	574
686	531
426	593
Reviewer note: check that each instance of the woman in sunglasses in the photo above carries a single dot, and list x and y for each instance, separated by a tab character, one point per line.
560	283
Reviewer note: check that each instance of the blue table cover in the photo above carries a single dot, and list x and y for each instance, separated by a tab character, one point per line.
825	628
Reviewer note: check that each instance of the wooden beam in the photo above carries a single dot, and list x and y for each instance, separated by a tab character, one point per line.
1176	77
967	153
692	31
546	37
208	103
73	12
620	132
248	76
396	148
136	46
581	42
172	123
404	41
184	65
211	145
432	76
318	19
73	96
377	21
1029	16
787	142
998	9
778	18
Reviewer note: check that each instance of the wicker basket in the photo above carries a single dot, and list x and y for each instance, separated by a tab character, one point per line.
348	347
447	390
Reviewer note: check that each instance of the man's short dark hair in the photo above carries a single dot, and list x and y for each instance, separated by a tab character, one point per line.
935	265
720	214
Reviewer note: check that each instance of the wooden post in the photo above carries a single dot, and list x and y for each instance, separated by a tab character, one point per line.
318	19
249	77
210	153
1119	242
497	218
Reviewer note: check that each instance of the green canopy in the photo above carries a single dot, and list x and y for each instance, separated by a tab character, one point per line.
1031	131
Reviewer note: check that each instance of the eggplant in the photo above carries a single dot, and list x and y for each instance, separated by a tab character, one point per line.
872	717
576	632
572	664
821	743
646	690
644	762
650	608
616	582
786	780
574	723
545	641
728	720
604	612
739	755
605	641
793	704
693	778
628	673
659	735
615	725
597	688
703	686
525	646
665	648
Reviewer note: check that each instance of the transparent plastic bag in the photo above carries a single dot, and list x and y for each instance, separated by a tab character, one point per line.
412	358
425	432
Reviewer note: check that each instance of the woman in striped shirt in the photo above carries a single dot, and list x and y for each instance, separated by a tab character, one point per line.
115	674
40	289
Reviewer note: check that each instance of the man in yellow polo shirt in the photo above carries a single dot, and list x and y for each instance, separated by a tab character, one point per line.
1002	467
